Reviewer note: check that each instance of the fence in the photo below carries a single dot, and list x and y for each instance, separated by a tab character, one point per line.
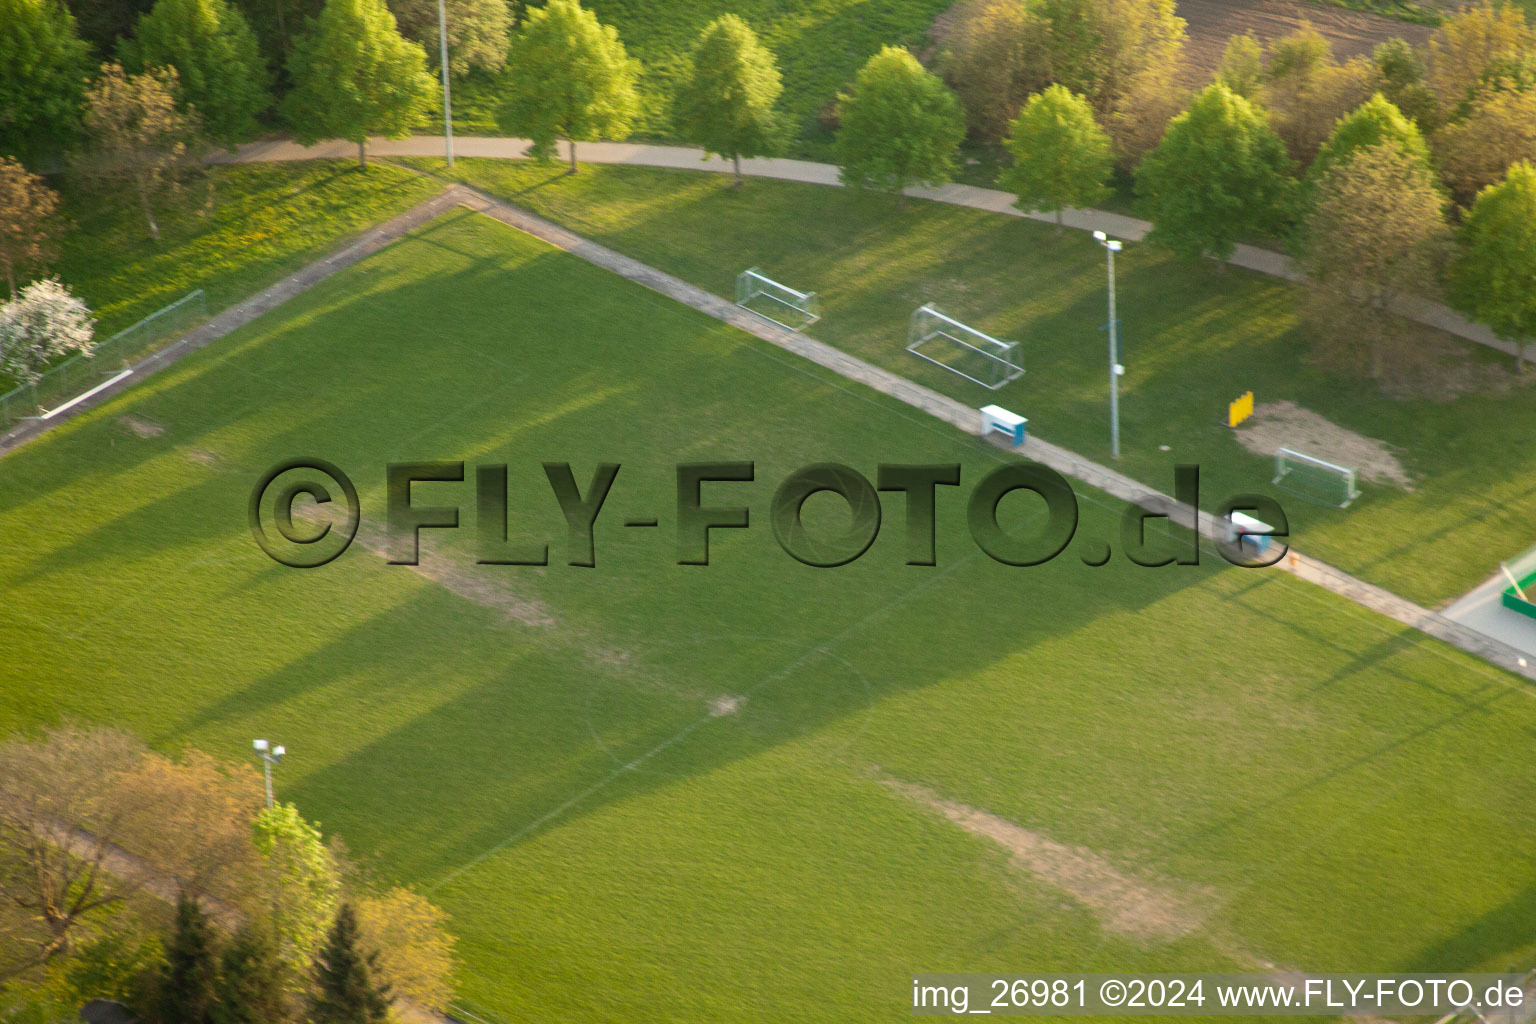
108	358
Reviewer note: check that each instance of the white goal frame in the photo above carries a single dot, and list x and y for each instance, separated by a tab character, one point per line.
1347	476
929	323
753	283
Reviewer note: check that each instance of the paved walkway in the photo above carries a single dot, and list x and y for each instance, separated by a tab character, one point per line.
1250	257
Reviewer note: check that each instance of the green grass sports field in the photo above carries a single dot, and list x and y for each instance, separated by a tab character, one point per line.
753	790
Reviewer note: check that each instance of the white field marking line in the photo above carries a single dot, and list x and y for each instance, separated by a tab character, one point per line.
591	691
98	389
692	727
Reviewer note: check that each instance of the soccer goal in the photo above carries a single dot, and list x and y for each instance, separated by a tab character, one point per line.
961	349
777	302
1315	479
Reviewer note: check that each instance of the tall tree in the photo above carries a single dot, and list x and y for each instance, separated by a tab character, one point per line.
189	986
1242	66
136	136
726	102
54	874
43	65
995	54
414	945
1400	67
1494	277
1376	231
1099	47
1219	174
1061	157
29	228
347	989
569	78
354	75
250	985
900	126
1467	44
219	70
1141	116
1498	131
299	882
1376	122
1306	91
478	31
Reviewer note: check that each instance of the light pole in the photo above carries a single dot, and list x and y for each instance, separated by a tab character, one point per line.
270	755
442	46
1112	246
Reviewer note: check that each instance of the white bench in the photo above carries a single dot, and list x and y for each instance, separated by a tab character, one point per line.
995	417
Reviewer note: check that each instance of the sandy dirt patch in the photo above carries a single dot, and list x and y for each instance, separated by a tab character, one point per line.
1125	905
725	704
140	427
1276	425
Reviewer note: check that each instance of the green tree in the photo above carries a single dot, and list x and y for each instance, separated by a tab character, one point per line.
1061	156
1401	69
1498	131
900	126
1306	91
346	987
478	31
189	987
1242	66
726	102
1098	48
1482	36
103	22
1376	232
1219	174
995	54
1376	122
250	989
354	75
569	78
43	64
299	886
1494	277
137	138
219	70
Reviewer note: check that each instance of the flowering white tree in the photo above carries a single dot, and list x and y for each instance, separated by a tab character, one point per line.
41	324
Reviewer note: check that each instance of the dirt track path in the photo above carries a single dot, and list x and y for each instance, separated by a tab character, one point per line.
1352	33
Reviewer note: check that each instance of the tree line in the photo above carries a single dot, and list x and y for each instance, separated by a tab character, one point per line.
1406	171
169	886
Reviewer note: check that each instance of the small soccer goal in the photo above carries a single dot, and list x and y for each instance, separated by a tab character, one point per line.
1315	479
783	305
964	350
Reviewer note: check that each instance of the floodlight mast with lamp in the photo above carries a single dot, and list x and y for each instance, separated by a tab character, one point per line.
1112	246
270	756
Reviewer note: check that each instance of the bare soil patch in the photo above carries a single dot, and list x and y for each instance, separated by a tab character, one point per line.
140	426
1125	905
1352	33
725	704
1275	425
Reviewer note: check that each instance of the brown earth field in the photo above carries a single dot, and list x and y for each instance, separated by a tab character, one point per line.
1352	33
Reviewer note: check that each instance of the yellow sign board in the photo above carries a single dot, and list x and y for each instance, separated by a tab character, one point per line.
1240	409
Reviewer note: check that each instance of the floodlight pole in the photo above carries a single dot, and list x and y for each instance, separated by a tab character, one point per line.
270	756
442	45
1112	246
